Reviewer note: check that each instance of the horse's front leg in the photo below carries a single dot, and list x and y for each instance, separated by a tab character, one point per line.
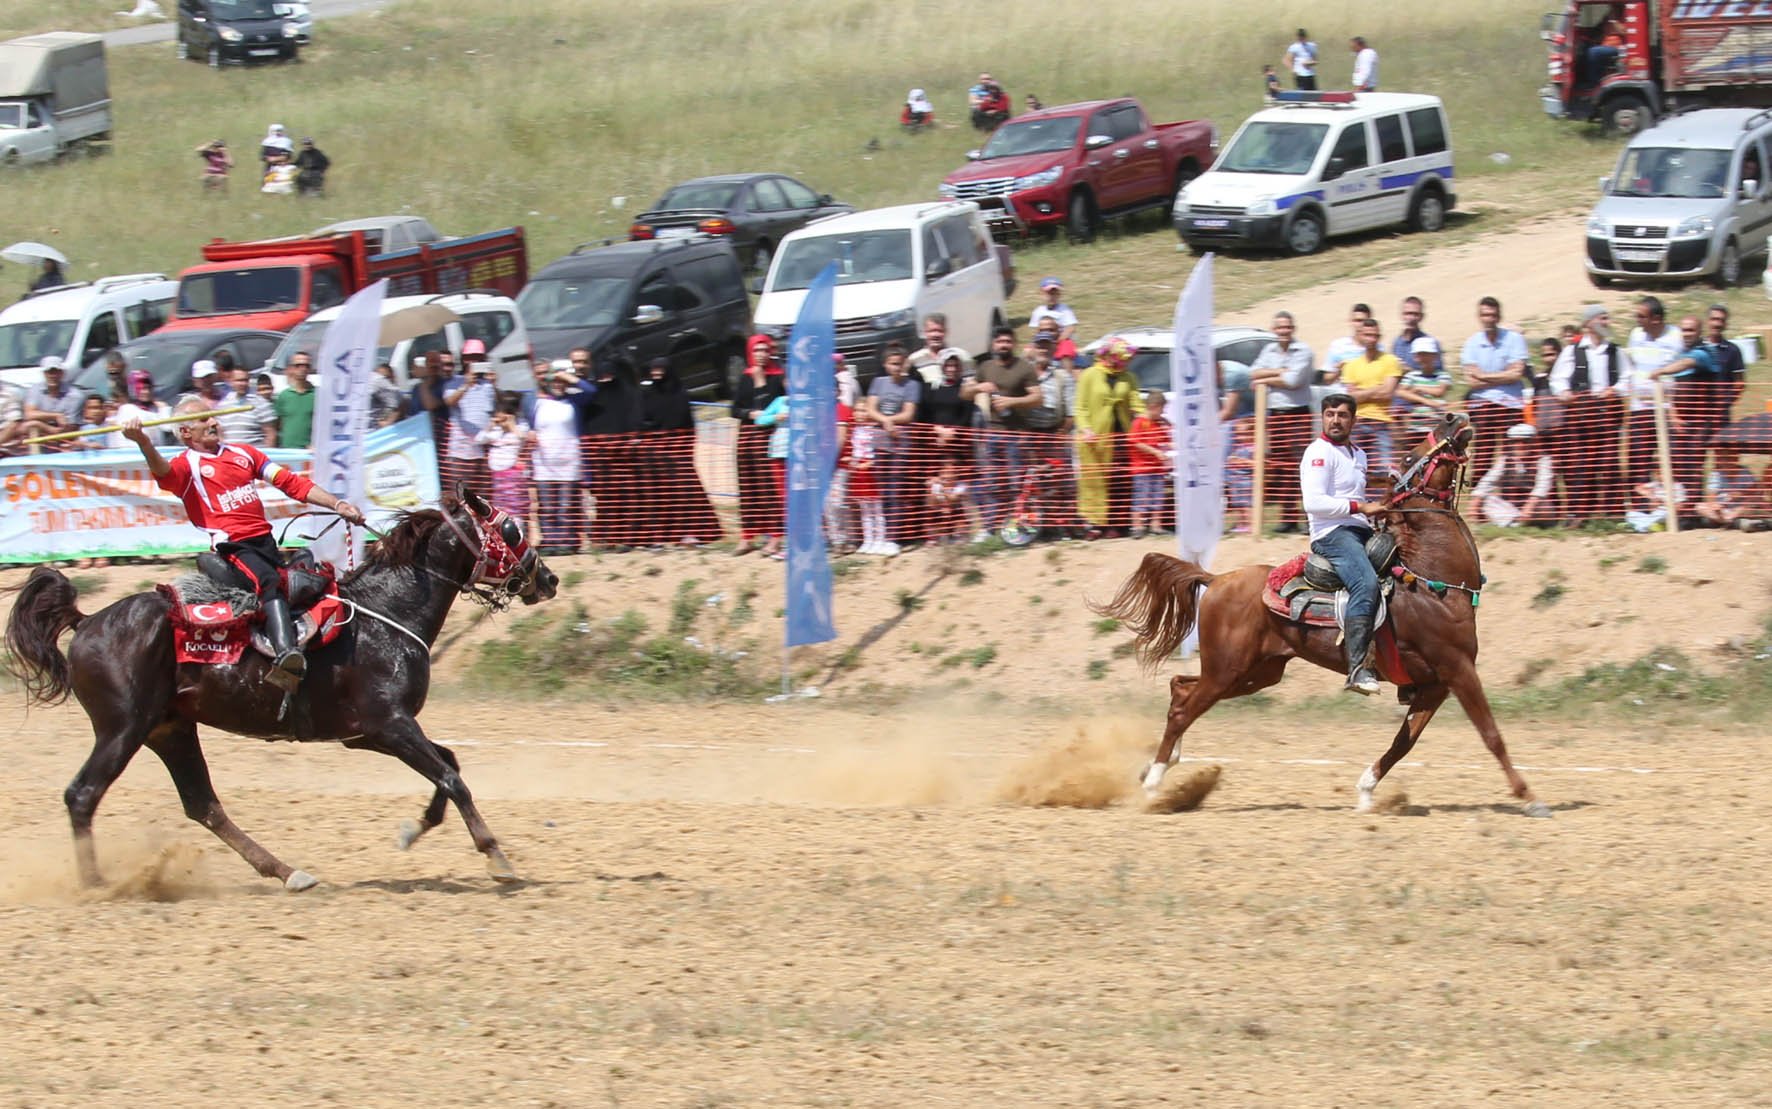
406	741
411	830
1468	688
1422	706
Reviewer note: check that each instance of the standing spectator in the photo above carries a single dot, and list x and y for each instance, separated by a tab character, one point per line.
51	276
1239	477
1105	397
1284	366
848	385
275	148
295	404
92	417
676	503
1052	305
606	434
216	164
556	462
205	385
926	359
539	372
1149	445
838	534
864	489
429	375
1047	444
54	404
504	439
263	386
116	377
759	498
386	406
948	409
1010	386
1653	346
1062	350
1518	488
1704	400
1301	58
1347	346
1365	65
1587	385
143	403
1494	361
1371	379
310	169
470	397
1413	312
255	427
892	405
1421	394
1693	373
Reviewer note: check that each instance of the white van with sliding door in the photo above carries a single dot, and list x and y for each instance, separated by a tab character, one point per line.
1320	164
79	322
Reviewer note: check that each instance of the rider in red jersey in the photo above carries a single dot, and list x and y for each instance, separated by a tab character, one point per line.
218	483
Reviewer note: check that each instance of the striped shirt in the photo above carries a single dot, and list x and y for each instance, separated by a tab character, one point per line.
246	427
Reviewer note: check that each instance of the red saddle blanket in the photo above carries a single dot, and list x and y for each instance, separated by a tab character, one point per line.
1318	610
214	633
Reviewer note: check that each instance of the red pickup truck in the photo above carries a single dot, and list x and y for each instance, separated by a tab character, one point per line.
275	284
1079	164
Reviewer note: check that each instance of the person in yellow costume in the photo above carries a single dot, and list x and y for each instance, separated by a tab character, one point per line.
1105	398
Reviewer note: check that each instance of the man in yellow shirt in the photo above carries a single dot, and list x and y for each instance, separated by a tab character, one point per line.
1105	392
1371	377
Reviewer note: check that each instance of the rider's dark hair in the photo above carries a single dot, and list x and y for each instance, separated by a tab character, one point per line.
1340	400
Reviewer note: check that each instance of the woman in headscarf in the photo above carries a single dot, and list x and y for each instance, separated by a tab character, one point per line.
951	408
674	506
276	147
759	496
1105	395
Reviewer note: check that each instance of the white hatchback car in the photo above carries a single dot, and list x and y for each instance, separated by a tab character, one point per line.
79	322
489	317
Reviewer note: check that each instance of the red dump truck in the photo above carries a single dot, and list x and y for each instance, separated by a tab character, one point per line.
275	284
1624	65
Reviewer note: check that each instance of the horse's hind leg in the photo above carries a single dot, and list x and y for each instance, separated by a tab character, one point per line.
176	744
1422	707
406	741
411	830
1190	697
110	757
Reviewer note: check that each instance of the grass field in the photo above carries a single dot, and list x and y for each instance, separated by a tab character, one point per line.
568	117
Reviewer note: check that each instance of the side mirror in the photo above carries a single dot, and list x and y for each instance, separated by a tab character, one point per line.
1605	185
1096	142
757	285
825	198
647	313
937	269
1336	167
1750	188
974	155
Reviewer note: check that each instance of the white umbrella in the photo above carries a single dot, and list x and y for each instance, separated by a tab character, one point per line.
29	254
410	323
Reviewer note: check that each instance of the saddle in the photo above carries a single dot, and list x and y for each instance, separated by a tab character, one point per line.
1308	590
216	615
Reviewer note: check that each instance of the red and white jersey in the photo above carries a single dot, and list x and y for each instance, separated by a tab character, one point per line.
220	490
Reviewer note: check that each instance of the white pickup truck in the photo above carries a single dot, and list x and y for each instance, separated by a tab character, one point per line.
54	96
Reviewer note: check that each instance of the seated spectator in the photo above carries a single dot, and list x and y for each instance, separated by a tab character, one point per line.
952	515
989	103
14	427
1734	497
918	112
310	169
1034	103
1052	306
1648	510
1517	489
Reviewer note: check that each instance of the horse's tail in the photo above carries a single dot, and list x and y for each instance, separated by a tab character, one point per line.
1157	606
41	612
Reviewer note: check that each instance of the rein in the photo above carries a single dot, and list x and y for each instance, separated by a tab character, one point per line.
1413	482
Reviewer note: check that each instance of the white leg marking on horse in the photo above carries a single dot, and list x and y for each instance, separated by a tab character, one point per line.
1368	783
300	880
1153	777
1538	810
410	830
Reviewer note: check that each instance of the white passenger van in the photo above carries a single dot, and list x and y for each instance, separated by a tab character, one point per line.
1313	165
79	322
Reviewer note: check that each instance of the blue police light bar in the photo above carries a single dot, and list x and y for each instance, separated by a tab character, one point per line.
1297	96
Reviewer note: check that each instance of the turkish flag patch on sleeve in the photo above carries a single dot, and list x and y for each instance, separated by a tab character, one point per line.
1317	462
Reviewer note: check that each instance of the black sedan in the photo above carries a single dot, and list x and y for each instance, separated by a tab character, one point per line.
754	209
168	356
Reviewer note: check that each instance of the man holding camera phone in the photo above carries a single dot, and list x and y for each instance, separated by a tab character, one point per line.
470	397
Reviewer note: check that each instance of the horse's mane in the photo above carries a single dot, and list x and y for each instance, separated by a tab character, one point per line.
401	546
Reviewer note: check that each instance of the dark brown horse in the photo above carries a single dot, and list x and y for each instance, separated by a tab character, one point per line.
1245	646
364	689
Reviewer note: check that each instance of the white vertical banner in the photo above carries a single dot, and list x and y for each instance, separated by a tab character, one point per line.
1193	420
341	414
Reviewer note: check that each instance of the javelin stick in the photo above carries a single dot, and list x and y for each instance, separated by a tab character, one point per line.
155	422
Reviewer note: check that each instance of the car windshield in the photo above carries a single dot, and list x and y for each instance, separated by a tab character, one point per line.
861	257
1033	136
573	301
1677	172
1150	368
698	194
169	360
26	344
306	339
1275	147
243	9
261	289
12	115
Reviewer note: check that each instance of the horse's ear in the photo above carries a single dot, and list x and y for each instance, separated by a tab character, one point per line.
472	499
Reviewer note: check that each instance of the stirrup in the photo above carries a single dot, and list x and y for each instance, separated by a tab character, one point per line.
1363	682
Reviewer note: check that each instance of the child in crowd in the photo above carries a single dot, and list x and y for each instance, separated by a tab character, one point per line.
837	531
1648	511
1735	497
1421	394
864	490
504	439
1271	81
92	415
1239	476
1151	445
951	509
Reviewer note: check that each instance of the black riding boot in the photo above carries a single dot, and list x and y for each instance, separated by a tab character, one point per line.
1356	643
288	664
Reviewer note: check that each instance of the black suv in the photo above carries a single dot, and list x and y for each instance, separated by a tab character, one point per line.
627	303
243	31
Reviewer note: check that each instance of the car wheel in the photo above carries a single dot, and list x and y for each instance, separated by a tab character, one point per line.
181	50
1626	115
1428	213
215	57
1080	221
1728	273
1186	173
761	255
1304	235
11	158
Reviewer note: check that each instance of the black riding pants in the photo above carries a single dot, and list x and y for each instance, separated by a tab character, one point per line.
259	561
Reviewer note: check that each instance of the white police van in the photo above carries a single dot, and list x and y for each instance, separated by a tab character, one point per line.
1314	165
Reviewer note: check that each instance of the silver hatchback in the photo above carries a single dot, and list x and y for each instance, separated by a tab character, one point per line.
1689	198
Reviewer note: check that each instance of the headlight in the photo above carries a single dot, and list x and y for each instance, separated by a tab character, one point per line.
890	320
1265	207
1697	225
228	34
1597	227
947	191
291	30
1037	180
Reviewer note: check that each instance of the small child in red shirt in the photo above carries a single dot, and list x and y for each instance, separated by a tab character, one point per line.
1152	446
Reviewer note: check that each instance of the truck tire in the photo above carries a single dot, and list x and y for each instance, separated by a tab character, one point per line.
1599	280
1304	235
1428	212
1080	218
1729	269
1625	114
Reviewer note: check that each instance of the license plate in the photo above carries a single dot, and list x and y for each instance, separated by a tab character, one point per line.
1212	224
1639	255
675	232
271	53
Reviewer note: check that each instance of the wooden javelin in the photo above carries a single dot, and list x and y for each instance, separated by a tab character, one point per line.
155	422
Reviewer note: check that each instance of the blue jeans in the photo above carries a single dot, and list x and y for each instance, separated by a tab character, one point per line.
999	476
1345	548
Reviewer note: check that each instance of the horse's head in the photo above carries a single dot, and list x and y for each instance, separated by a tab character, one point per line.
503	560
1433	466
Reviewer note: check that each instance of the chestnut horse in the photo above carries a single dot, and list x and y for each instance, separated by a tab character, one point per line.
1245	646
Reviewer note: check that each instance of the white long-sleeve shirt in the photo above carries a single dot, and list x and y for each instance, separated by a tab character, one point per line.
1334	482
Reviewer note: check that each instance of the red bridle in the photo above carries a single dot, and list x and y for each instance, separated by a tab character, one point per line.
496	561
1415	481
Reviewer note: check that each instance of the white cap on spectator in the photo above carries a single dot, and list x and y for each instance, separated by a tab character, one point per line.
203	367
1521	431
52	363
1426	344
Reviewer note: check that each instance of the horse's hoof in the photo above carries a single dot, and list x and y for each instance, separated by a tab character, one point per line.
1537	810
500	867
300	880
410	830
1153	777
1364	804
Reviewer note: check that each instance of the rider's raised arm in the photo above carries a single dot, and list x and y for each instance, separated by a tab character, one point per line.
135	433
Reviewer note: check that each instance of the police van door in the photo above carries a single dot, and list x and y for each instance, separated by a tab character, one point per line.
1350	181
